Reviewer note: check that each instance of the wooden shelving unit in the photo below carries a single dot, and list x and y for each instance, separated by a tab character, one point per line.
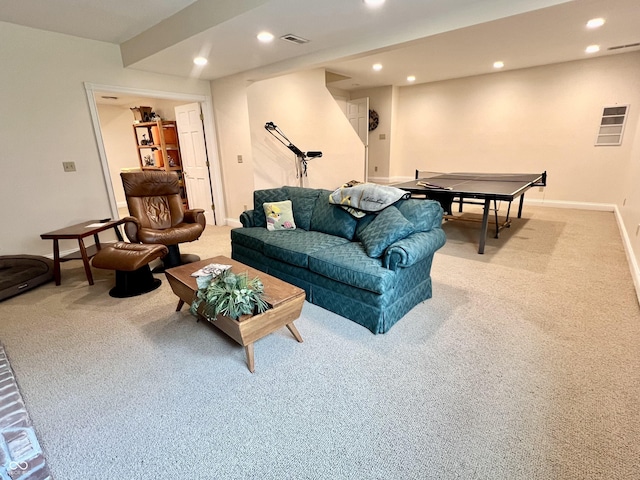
159	149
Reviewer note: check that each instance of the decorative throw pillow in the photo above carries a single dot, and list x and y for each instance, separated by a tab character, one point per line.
260	197
388	227
279	215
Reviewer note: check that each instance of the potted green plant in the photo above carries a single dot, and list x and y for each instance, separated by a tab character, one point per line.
229	294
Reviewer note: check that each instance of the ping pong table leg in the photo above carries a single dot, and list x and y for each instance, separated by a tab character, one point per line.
495	209
485	222
520	206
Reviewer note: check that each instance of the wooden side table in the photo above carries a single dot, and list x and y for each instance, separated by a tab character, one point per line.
79	232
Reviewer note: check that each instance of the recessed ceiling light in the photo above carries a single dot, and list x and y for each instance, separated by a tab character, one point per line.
595	23
498	64
373	3
265	37
200	61
592	49
411	78
377	67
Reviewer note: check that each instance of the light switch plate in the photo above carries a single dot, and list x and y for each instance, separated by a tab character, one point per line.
69	166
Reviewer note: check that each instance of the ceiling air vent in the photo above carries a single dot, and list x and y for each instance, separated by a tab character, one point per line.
289	37
630	45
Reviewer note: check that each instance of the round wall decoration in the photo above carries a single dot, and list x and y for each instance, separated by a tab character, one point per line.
373	120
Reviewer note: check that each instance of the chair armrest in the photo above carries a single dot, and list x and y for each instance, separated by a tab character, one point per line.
131	227
195	215
246	218
412	249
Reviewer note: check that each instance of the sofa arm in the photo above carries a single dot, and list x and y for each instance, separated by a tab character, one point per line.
195	215
412	249
246	218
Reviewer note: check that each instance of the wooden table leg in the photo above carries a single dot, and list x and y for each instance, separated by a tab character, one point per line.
56	261
250	362
294	331
96	238
180	304
118	234
85	260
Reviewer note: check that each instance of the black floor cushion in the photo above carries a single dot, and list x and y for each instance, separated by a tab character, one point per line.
20	273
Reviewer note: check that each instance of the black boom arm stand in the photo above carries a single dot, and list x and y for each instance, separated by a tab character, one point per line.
301	157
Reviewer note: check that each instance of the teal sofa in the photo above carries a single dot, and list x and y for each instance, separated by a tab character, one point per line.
371	270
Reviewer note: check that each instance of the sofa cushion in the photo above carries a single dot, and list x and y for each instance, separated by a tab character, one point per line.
332	219
279	215
388	226
423	214
262	196
303	201
294	246
251	237
349	264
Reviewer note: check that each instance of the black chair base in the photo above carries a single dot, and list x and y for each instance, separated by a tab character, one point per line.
174	259
136	282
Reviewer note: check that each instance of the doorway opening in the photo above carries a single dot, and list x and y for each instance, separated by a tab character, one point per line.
112	120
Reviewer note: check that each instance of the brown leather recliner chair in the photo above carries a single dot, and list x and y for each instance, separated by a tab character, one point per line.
157	214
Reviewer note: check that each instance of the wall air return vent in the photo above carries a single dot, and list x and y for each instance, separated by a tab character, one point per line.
290	37
612	125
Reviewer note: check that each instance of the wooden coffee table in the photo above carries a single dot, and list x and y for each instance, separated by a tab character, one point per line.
285	302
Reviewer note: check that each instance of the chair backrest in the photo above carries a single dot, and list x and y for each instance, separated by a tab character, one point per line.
153	197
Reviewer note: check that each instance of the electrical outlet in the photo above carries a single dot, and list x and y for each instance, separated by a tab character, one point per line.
239	158
375	169
69	166
541	189
382	136
245	208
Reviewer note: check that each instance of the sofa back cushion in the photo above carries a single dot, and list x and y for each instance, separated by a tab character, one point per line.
332	219
303	201
386	228
423	214
265	196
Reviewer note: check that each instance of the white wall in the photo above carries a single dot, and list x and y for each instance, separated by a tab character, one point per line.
234	139
302	107
305	111
529	120
46	120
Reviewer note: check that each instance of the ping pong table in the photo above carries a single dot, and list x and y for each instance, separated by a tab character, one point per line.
486	187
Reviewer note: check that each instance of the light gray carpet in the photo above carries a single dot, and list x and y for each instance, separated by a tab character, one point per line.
525	364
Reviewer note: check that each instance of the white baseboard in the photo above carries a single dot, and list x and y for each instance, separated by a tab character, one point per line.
604	207
389	180
628	250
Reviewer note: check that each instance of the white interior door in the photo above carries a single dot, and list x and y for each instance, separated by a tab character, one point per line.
194	159
358	115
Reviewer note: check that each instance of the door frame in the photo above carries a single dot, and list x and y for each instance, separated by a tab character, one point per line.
211	142
365	140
